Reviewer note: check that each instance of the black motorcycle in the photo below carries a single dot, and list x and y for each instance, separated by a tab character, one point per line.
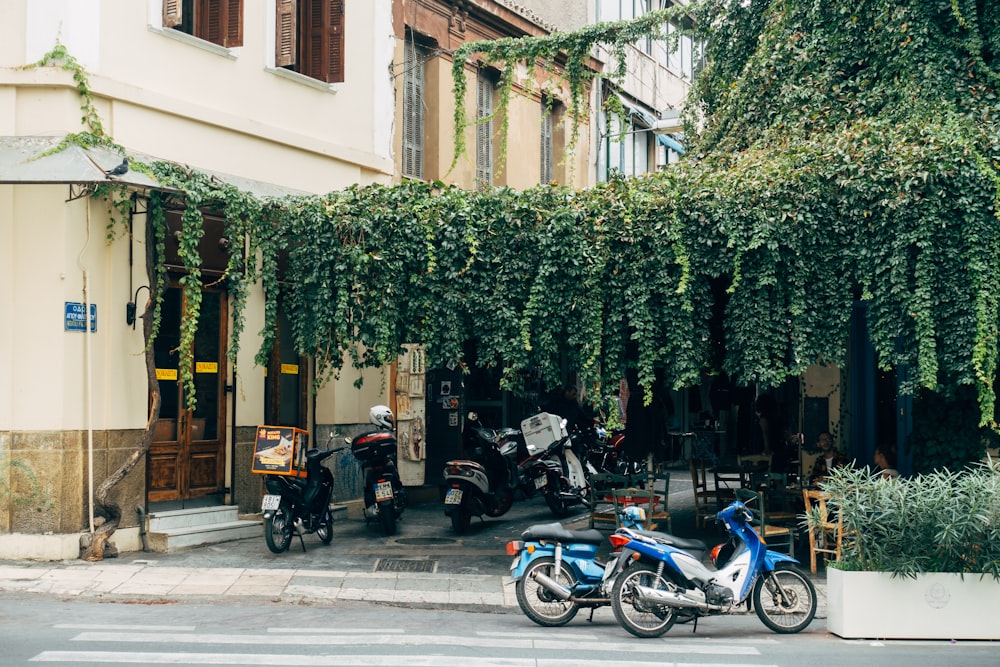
385	497
299	505
481	484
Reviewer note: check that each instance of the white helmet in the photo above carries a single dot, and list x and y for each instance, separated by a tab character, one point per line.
381	415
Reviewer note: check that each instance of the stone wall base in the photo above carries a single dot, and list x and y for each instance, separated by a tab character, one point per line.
64	546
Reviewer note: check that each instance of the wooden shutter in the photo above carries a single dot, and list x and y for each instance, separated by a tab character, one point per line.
546	149
233	35
172	13
285	39
335	55
413	111
484	132
220	22
322	38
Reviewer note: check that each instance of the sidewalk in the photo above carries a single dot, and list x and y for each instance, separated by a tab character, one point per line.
425	565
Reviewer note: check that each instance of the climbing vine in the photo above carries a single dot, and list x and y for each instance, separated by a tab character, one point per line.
843	153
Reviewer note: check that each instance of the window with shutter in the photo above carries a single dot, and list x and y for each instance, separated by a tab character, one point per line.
310	38
216	21
484	131
546	140
413	110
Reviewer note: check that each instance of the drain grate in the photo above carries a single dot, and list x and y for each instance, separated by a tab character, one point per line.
405	565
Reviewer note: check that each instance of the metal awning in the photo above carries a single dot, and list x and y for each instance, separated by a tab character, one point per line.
646	117
671	143
23	160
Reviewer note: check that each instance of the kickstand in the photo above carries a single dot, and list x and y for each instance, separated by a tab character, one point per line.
592	610
301	539
694	625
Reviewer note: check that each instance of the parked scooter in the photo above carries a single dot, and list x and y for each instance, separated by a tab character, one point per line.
385	497
299	505
481	484
557	572
530	465
569	485
667	582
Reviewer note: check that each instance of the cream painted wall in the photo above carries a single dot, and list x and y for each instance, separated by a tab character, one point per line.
147	73
824	382
342	403
6	306
48	365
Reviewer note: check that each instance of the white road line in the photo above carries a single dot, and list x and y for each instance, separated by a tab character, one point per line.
150	658
336	631
144	628
657	647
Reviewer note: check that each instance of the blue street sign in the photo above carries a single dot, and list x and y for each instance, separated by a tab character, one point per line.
75	320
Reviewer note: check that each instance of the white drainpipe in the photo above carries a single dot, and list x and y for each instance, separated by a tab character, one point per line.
87	375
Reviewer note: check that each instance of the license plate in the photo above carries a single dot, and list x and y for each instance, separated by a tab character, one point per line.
540	482
453	497
383	491
270	502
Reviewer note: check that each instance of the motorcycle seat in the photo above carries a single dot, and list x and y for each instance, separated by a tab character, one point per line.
674	541
554	532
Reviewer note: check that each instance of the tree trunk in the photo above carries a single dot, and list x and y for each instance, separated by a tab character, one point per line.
110	511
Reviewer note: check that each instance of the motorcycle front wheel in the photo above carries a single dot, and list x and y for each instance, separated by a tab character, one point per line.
537	602
785	599
505	500
278	530
325	528
641	619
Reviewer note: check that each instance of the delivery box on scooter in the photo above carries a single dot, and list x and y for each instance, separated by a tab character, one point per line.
370	446
542	430
280	450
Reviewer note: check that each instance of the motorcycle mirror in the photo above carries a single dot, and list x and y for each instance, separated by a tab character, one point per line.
472	416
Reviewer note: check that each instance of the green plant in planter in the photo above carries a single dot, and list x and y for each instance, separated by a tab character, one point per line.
938	522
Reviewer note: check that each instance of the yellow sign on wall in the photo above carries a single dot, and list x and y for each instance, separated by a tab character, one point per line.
166	374
289	369
206	367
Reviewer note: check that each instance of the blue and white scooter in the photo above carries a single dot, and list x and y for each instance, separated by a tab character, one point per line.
557	572
666	584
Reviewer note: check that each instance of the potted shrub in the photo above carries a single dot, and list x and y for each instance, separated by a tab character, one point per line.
920	557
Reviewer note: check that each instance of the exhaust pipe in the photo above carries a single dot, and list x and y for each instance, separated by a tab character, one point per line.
552	586
654	596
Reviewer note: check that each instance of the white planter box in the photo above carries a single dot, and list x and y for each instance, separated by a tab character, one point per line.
932	606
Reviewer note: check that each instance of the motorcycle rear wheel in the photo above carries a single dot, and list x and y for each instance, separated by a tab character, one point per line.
278	530
387	517
325	528
538	603
785	599
639	619
460	520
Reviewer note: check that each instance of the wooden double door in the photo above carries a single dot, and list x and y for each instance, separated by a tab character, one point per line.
187	458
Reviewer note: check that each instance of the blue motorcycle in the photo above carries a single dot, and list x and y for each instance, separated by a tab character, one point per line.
666	584
557	572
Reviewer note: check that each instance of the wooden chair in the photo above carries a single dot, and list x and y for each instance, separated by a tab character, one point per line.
825	532
704	498
658	516
602	506
650	501
773	536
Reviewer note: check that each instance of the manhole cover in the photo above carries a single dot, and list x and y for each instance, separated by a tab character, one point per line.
424	541
405	565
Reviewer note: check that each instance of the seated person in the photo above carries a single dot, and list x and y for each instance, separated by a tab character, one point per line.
885	459
829	459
